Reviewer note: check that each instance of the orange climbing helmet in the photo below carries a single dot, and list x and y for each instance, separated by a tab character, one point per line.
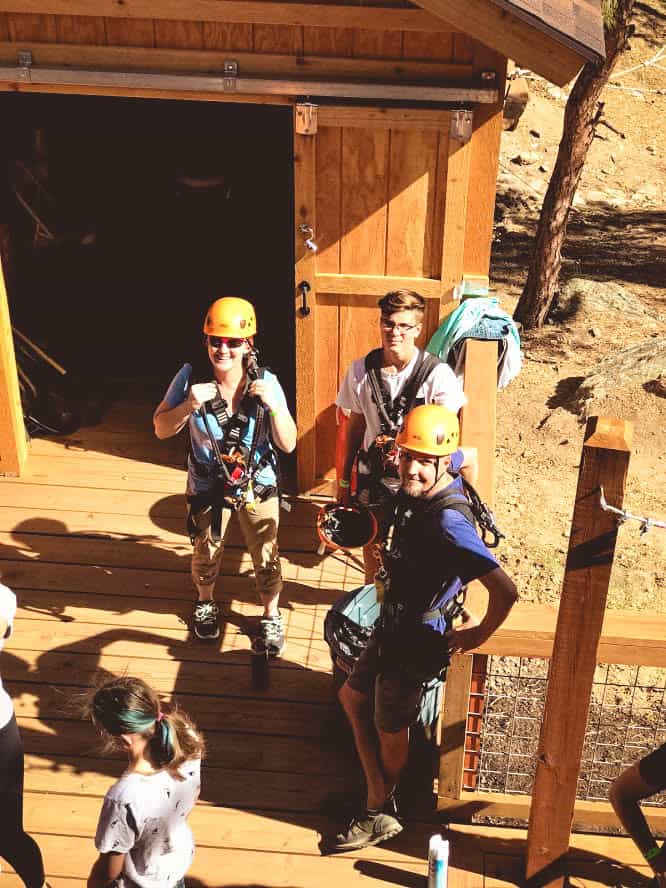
231	316
431	430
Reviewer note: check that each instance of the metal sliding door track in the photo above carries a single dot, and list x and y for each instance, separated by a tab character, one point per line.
229	81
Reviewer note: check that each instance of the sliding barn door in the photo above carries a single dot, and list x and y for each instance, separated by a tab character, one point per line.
373	188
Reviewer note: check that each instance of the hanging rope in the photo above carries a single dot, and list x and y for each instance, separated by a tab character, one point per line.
656	58
624	515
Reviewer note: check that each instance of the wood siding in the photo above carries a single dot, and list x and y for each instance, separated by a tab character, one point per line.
437	41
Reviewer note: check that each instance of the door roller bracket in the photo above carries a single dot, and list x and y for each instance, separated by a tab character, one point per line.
461	125
306	119
230	79
24	61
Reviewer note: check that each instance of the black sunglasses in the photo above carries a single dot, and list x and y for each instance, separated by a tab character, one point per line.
219	341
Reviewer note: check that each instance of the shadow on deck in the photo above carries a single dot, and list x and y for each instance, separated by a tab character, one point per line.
92	540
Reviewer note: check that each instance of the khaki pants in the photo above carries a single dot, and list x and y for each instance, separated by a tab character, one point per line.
259	527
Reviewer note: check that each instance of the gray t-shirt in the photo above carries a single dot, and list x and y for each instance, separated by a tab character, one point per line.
145	818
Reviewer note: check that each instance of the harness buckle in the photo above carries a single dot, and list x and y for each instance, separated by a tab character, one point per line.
488	525
387	454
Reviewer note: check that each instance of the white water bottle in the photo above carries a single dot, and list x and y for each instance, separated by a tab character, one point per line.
438	862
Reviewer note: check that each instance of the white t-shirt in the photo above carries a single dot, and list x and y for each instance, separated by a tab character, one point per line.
441	387
145	817
7	611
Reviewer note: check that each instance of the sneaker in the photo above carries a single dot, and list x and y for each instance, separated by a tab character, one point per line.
271	633
204	620
368	829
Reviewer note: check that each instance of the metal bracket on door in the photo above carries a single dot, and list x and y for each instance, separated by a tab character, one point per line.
24	60
230	79
308	237
460	129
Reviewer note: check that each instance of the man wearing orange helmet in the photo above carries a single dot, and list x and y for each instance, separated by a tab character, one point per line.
432	552
235	422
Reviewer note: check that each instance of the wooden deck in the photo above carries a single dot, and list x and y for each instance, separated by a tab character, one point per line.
92	540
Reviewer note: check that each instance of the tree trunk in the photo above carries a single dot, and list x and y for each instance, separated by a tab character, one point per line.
581	117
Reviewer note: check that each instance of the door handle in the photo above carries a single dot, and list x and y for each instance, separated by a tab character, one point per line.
304	288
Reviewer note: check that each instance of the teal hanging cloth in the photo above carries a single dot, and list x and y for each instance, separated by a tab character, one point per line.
479	318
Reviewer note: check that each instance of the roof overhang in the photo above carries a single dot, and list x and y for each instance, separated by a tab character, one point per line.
555	44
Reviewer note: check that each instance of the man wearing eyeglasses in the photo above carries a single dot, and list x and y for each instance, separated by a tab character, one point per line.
377	393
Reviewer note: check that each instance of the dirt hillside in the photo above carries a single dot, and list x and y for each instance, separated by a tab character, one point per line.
616	238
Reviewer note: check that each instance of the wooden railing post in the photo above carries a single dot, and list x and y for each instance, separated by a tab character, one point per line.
604	463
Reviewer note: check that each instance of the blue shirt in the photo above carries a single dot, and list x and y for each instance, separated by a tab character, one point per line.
440	551
177	393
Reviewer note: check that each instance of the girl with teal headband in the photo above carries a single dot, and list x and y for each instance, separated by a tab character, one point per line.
142	836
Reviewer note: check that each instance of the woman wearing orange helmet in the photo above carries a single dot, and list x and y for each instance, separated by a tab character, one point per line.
235	422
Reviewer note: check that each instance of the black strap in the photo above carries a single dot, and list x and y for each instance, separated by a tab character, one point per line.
453	499
254	372
452	608
233	428
379	391
234	425
407	398
470	504
391	412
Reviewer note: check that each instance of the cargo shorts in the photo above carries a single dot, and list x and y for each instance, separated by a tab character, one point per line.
397	695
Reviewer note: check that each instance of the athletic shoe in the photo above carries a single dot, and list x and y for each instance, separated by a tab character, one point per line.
365	830
271	633
204	620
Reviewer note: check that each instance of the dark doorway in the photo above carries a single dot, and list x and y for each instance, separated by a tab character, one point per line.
129	216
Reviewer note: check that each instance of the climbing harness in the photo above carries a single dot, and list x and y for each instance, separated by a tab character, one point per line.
624	515
448	602
380	459
348	627
235	466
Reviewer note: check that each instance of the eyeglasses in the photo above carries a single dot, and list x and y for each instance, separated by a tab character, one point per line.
399	328
219	341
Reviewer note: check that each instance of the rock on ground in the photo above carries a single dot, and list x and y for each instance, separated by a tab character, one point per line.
641	364
583	298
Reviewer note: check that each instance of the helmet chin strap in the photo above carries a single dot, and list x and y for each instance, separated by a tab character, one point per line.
436	481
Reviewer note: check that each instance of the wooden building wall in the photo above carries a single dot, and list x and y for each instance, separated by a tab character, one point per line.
392	198
410	34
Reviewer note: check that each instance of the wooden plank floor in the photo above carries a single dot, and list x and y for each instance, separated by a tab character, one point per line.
92	540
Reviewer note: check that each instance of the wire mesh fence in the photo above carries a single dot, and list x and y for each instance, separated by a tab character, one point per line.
627	719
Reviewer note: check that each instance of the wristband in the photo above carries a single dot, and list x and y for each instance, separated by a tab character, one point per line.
344	483
274	413
652	853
